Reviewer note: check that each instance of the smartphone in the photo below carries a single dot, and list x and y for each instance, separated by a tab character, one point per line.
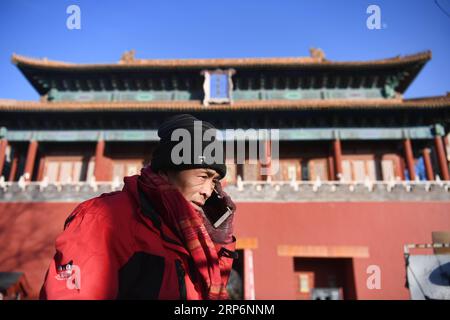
223	212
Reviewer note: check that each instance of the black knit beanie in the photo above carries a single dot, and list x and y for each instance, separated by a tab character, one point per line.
161	158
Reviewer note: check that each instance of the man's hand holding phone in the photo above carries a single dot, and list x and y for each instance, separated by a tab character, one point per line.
219	210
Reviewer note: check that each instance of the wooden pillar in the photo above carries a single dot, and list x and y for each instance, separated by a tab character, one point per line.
31	158
337	150
12	172
268	159
99	160
41	169
428	166
409	158
249	277
447	146
441	157
331	172
3	145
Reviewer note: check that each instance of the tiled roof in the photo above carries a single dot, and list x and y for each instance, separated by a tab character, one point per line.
197	106
219	63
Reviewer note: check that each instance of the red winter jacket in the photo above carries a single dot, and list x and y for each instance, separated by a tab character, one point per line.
108	250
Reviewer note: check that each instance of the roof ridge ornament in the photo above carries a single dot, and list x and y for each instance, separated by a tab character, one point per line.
317	54
128	56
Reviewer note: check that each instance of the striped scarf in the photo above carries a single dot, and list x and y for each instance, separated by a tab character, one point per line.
187	223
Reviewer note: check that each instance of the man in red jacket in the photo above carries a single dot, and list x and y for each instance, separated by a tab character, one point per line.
154	239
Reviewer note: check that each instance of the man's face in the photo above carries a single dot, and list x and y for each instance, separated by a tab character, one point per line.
196	185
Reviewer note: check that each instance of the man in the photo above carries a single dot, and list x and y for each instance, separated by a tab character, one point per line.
154	239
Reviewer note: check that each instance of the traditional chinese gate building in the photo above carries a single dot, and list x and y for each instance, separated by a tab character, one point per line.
362	170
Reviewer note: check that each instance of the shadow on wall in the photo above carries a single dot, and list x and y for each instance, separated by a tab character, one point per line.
27	236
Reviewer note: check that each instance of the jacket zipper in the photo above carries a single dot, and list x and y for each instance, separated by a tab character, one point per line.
181	281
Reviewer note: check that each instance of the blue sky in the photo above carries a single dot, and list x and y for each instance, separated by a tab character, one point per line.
216	29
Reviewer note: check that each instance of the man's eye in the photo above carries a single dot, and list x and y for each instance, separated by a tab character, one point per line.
203	177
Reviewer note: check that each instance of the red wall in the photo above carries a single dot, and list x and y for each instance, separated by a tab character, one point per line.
27	236
383	227
28	231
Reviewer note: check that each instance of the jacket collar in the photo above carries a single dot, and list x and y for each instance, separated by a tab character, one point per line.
150	217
